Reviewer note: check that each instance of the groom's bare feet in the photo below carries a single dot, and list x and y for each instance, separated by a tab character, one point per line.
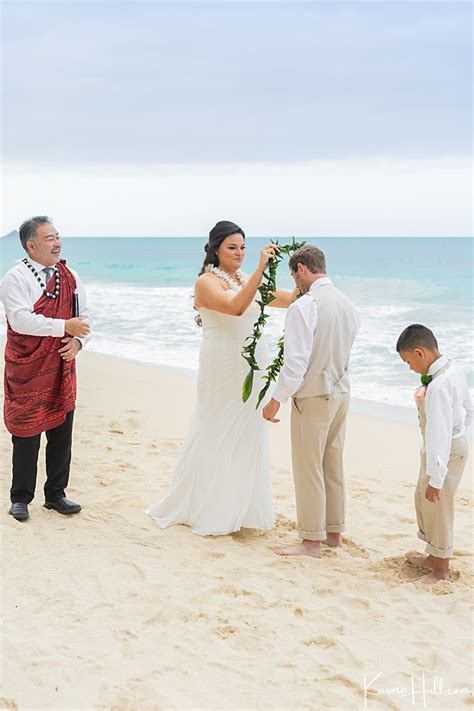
420	561
311	548
333	540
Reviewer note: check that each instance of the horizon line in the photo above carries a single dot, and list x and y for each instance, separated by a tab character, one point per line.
14	233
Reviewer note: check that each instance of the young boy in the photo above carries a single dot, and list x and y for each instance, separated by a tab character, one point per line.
444	411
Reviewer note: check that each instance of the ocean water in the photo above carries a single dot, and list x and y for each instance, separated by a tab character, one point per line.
140	294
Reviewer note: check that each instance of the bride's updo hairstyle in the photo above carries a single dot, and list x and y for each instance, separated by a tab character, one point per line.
217	235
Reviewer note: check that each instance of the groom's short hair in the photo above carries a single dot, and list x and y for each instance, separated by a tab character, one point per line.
311	257
416	336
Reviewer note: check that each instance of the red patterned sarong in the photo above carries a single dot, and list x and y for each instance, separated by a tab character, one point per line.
40	387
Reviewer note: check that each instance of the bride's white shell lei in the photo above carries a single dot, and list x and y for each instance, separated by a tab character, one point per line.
242	276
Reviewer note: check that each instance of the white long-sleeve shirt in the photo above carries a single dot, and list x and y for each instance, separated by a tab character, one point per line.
300	325
20	290
449	412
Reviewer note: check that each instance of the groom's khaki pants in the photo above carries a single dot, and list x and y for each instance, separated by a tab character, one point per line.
317	442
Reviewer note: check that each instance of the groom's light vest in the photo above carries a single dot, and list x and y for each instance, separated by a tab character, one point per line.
335	332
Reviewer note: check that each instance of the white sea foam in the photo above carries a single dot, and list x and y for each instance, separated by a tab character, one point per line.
156	325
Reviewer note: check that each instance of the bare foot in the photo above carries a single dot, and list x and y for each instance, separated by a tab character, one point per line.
310	548
333	540
420	561
434	577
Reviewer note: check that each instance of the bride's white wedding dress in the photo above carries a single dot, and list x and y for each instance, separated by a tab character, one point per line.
222	479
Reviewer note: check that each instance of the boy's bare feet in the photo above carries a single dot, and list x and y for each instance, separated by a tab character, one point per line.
311	548
333	540
434	577
420	561
439	567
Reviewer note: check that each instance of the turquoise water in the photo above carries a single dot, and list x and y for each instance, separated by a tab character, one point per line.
446	262
140	292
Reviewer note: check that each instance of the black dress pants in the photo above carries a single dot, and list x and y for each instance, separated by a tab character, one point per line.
58	462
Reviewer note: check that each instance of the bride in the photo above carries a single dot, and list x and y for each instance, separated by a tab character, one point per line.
222	479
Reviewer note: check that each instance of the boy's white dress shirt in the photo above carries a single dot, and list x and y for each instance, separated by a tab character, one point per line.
449	411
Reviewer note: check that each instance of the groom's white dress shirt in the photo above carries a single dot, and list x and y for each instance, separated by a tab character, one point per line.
317	343
449	411
20	290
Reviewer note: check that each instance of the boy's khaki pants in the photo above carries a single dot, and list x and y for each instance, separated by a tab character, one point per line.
317	442
435	520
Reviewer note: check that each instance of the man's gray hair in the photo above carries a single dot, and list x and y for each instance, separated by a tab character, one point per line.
29	227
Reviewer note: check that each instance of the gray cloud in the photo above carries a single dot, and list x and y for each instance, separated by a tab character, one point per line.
115	82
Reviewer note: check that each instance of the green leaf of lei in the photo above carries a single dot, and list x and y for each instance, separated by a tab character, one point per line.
248	383
266	290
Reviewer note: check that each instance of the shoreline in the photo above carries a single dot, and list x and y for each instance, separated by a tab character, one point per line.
369	408
372	434
13	234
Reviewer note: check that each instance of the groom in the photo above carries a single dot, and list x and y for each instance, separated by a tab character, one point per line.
319	332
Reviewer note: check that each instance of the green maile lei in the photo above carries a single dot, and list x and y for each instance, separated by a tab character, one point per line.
266	290
426	379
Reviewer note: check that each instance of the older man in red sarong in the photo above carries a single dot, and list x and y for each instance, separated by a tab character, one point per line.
47	324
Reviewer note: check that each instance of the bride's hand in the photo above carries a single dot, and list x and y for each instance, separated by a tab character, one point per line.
265	255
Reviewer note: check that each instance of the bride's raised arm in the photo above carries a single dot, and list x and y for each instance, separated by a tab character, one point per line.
284	298
210	294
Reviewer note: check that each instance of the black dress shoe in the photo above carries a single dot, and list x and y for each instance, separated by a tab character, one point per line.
19	511
62	506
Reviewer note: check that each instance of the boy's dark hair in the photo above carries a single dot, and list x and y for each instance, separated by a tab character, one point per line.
416	336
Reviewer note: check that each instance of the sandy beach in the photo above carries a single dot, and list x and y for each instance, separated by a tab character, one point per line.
104	610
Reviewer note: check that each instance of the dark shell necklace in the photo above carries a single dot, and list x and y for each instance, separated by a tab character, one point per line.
55	293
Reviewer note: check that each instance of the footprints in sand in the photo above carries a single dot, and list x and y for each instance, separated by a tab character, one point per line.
324	642
171	446
127	634
358	603
465	501
355	549
123	436
359	492
242	638
126	433
213	555
224	631
426	660
234	592
283	524
462	554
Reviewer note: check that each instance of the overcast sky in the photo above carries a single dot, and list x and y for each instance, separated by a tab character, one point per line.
162	117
